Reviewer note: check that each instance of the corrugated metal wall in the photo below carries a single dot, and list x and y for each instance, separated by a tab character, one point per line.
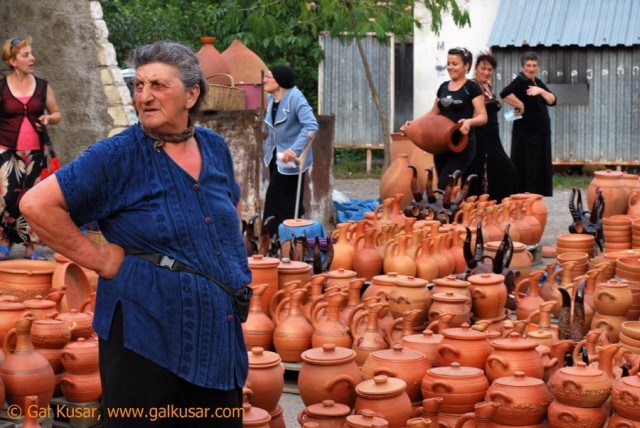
604	131
344	91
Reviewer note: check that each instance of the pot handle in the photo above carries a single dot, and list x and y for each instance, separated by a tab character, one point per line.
403	298
445	347
247	395
7	341
439	386
497	359
628	396
568	416
68	381
301	416
314	314
385	371
500	397
477	292
577	350
341	378
551	363
516	292
569	383
67	354
604	293
464	418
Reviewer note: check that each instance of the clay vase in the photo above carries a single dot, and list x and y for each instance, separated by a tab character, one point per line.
426	265
488	294
538	207
328	373
459	387
457	251
264	270
410	293
258	329
81	357
265	378
532	220
425	342
212	62
365	419
81	388
387	397
397	362
580	386
372	338
255	417
613	190
30	418
397	179
292	335
25	372
529	300
561	415
327	414
513	354
449	302
436	134
367	261
343	250
464	345
521	398
400	261
330	329
353	299
625	397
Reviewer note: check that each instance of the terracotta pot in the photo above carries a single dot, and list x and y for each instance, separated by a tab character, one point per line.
10	312
366	419
464	345
212	62
384	283
367	261
522	398
258	329
405	364
613	190
81	388
330	328
277	418
561	415
265	378
26	279
328	373
54	356
611	323
488	294
51	333
530	302
410	293
81	356
25	372
264	270
436	134
387	397
425	342
457	304
83	321
514	354
617	421
453	284
40	307
580	386
327	414
340	277
625	397
397	180
631	329
292	335
612	298
459	387
291	270
255	417
244	65
538	206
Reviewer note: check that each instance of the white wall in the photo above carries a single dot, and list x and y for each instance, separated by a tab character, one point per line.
430	50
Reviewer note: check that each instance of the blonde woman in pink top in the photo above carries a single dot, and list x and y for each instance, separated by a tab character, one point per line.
26	103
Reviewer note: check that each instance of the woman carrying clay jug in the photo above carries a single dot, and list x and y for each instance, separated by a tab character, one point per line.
460	100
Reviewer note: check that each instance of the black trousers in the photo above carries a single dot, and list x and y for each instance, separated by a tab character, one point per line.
132	383
280	200
447	163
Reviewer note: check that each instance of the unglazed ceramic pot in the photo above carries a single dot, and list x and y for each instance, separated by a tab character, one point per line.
265	378
513	354
488	294
564	416
387	397
81	357
459	387
464	345
366	419
436	134
327	414
255	417
580	386
625	397
81	388
522	398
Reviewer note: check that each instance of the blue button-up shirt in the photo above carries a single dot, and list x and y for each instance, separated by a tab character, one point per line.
143	200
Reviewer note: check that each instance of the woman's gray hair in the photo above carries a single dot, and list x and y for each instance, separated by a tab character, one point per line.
177	55
529	56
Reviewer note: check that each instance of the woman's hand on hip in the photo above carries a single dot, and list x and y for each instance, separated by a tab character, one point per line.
112	256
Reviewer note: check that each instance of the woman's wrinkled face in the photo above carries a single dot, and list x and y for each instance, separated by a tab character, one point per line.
160	98
270	84
530	69
484	72
456	67
24	61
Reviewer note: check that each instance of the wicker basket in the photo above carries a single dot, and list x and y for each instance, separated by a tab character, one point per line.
222	97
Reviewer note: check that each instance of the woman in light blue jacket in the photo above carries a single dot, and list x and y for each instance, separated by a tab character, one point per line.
291	127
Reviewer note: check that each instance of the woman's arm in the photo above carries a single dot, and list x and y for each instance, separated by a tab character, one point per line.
479	115
514	101
45	209
548	96
53	115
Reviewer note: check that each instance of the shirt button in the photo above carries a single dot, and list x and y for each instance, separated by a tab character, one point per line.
230	318
208	220
196	187
217	252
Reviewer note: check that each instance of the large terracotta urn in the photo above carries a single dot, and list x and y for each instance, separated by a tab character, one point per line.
248	70
265	378
26	279
397	179
436	134
25	372
212	62
613	190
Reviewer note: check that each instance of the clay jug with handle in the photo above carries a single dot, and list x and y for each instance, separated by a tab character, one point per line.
343	251
292	335
258	329
397	179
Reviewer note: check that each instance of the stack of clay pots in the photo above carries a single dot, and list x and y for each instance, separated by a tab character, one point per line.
617	232
81	381
630	336
625	398
572	242
611	301
49	337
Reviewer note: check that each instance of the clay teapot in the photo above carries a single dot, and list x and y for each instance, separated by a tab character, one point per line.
436	134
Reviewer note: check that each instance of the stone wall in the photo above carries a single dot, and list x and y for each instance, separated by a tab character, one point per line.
70	43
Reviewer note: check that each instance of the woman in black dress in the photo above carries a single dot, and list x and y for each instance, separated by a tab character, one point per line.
531	135
497	175
460	100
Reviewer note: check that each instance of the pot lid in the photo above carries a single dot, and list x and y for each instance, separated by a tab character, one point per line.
288	265
581	369
39	302
608	173
540	334
464	332
381	385
451	281
426	337
631	381
493	246
387	279
398	354
485	278
366	419
259	358
614	283
328	409
254	416
411	281
258	261
519	379
81	344
75	315
11	306
456	370
341	273
449	297
514	343
328	354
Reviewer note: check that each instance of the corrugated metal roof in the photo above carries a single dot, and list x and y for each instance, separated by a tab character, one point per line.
566	23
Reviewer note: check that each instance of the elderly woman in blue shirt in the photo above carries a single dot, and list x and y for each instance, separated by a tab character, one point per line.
291	127
168	339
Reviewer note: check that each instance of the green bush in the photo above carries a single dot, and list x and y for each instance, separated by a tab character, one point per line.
352	163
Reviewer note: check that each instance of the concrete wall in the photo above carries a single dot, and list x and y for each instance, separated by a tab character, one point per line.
73	53
430	50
